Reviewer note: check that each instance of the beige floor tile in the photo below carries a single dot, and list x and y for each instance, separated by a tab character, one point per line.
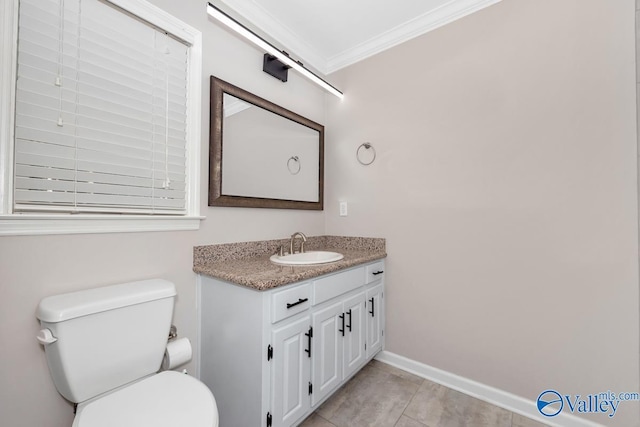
377	399
438	406
395	371
331	405
383	396
316	420
408	422
520	421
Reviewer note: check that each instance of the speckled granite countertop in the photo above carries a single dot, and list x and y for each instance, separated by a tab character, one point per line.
248	264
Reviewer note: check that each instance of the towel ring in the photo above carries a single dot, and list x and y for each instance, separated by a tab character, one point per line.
367	146
293	170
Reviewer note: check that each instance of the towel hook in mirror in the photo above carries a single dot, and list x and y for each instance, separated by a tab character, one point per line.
291	165
368	156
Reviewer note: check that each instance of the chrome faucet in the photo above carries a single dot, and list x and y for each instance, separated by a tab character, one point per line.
293	238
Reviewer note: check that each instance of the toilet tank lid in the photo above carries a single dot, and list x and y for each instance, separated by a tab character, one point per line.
59	308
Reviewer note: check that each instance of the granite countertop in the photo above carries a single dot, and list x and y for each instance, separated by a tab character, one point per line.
248	263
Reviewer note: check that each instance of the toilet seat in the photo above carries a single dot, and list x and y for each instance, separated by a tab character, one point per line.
167	399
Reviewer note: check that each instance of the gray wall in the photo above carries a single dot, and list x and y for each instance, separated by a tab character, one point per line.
505	185
37	266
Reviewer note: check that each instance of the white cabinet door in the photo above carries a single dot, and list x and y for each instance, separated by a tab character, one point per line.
374	320
328	325
290	372
354	352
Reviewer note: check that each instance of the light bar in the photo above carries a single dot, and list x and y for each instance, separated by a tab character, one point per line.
270	49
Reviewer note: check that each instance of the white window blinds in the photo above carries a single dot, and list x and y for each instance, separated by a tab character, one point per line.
100	117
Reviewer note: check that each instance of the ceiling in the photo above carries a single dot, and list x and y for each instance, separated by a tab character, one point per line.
331	34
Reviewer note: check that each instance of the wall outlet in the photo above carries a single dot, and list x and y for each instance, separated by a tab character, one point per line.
343	209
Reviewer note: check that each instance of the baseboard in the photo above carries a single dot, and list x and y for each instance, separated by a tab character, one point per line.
494	396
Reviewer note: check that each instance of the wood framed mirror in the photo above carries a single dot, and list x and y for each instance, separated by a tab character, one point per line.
262	155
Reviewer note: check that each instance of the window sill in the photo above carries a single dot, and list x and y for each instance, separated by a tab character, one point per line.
30	224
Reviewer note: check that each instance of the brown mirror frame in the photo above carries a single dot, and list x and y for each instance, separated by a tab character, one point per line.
216	198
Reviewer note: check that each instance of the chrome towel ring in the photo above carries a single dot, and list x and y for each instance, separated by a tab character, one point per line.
368	156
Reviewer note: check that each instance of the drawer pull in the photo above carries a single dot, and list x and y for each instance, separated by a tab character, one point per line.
300	301
375	273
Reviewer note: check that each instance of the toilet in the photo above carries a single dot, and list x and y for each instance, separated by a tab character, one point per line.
104	347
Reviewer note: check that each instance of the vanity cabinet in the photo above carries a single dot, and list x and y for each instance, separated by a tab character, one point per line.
272	357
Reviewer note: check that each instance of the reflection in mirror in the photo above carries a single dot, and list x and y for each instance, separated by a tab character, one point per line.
262	155
266	155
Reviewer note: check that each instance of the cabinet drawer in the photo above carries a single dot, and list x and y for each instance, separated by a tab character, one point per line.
329	287
375	271
289	302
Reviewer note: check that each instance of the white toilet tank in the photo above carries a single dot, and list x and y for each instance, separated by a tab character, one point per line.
106	337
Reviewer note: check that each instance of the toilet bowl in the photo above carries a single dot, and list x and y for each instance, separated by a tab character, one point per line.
167	399
104	348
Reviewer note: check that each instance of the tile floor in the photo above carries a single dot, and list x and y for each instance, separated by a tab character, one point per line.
383	396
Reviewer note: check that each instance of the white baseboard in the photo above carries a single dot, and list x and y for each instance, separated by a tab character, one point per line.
494	396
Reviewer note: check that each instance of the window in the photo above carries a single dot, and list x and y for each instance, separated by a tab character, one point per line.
103	125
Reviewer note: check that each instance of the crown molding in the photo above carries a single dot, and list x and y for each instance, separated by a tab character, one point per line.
284	36
418	26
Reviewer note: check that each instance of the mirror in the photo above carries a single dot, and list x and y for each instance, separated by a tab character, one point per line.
262	155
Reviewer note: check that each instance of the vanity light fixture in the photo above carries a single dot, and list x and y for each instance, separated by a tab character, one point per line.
276	62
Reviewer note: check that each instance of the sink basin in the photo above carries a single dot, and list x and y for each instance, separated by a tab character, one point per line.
307	258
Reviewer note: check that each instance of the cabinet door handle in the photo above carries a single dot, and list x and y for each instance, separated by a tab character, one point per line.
375	273
300	301
372	311
342	330
349	325
309	335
